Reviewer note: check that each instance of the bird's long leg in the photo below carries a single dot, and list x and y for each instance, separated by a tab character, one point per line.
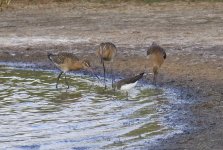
66	81
113	79
104	73
155	78
155	72
127	95
58	78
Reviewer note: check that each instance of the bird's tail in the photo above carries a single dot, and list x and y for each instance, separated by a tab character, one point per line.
136	78
49	56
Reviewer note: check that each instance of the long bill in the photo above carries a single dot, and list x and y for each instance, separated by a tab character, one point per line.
92	72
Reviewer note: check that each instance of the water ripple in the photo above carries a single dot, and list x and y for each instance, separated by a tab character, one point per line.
35	115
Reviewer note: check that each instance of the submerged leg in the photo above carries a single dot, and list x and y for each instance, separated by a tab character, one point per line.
58	78
66	81
104	73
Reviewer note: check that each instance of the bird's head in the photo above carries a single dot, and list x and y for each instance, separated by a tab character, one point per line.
85	64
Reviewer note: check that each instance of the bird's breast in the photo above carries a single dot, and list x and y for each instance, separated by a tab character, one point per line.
126	87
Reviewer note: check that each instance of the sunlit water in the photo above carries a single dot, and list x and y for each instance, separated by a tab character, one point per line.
35	115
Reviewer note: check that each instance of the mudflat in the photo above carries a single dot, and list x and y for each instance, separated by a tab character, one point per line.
191	33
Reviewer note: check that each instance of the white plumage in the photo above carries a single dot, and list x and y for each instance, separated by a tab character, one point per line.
127	87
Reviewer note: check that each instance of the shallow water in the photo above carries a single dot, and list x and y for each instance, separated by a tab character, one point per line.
35	115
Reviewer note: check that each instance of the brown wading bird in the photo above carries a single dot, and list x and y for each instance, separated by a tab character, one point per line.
106	52
68	62
128	83
157	55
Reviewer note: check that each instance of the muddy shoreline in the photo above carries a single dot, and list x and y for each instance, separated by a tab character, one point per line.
194	64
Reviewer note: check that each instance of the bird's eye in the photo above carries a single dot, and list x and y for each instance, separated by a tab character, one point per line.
86	64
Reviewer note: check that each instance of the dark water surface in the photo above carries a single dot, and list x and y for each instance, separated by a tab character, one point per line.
35	115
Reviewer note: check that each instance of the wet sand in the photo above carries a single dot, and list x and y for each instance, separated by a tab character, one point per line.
190	33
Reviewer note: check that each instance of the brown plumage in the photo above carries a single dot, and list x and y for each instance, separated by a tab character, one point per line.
68	62
157	55
106	52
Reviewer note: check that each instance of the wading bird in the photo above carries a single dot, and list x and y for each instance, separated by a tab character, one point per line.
68	62
157	55
128	83
106	52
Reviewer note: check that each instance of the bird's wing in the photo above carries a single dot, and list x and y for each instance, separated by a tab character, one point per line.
129	80
135	78
61	57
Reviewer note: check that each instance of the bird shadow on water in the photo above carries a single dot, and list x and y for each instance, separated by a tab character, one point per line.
109	93
29	147
65	96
